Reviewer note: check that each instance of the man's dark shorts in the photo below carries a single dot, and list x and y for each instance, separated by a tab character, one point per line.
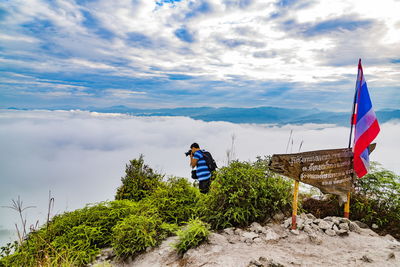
204	186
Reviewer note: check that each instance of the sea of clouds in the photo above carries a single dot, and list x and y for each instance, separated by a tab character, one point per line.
81	156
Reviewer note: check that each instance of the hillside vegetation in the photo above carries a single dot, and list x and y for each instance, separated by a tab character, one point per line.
148	208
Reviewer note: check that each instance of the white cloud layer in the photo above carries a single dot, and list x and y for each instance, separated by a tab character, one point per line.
81	156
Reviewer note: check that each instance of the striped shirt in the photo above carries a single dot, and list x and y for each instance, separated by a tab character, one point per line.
202	171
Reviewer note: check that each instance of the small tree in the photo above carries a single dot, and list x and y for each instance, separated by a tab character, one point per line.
140	181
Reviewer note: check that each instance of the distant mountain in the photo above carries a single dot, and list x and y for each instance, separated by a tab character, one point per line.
272	115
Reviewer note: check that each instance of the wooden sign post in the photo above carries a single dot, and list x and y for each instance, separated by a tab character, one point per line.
294	204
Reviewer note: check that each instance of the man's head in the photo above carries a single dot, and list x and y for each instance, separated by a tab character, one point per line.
194	147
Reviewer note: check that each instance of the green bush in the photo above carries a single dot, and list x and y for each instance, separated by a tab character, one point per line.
377	200
73	237
192	235
139	182
135	234
242	193
176	200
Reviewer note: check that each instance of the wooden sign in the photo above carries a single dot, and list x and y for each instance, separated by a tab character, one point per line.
329	170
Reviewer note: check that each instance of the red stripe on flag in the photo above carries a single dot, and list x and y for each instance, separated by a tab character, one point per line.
366	138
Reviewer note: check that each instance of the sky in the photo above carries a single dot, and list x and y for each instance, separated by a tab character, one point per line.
80	156
157	53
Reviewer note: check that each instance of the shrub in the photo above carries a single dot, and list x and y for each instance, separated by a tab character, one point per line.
377	200
135	234
192	235
72	238
242	193
140	181
176	200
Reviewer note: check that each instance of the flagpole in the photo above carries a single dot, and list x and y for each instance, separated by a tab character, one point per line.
347	204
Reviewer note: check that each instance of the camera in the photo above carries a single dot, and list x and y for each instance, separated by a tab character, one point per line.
188	153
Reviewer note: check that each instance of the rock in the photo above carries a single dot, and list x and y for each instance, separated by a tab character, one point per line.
366	258
342	232
354	227
216	239
271	235
310	216
303	216
257	228
330	232
335	228
391	256
344	220
315	227
325	225
257	240
344	226
336	220
389	237
308	229
361	224
295	232
255	263
374	226
248	237
229	231
308	222
315	239
328	219
287	222
238	231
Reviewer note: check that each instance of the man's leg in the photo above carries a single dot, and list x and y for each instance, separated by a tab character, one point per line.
204	186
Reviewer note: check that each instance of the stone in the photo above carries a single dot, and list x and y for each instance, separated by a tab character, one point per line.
342	232
389	237
335	220
315	239
335	228
287	223
271	235
323	224
344	226
330	232
361	224
257	228
238	231
303	216
229	231
295	232
354	227
255	263
328	219
249	235
216	239
308	229
308	221
257	240
310	216
344	220
315	227
374	226
366	258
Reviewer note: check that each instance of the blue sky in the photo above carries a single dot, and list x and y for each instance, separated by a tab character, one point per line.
238	53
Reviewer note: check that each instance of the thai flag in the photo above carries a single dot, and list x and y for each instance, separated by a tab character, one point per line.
366	125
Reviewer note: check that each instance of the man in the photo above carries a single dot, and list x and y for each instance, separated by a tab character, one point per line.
203	173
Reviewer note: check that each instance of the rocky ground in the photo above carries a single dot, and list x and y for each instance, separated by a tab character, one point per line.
331	241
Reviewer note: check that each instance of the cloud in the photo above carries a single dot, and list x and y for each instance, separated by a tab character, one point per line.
81	156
